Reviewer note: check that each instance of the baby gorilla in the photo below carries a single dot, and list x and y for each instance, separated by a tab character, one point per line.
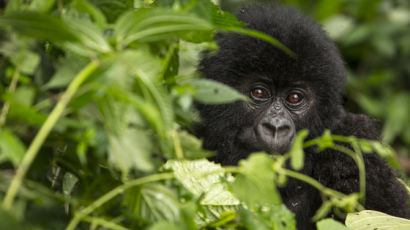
289	94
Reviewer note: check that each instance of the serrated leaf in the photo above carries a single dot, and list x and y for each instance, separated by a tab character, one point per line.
327	224
213	92
66	72
256	178
193	175
158	203
131	149
370	220
89	35
296	152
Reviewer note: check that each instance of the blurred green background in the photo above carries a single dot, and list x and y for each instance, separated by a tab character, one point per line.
374	39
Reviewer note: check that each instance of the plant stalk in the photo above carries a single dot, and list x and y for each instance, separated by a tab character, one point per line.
45	129
111	194
12	88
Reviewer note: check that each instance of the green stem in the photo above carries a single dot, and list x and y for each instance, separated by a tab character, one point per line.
45	129
111	194
105	223
362	171
358	159
177	145
311	181
12	88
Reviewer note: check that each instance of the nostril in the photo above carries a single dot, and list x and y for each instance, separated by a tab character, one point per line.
274	130
269	127
283	129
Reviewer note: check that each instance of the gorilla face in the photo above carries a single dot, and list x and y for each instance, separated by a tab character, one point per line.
287	93
275	109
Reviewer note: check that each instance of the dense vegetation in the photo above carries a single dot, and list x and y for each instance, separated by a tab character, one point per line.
97	95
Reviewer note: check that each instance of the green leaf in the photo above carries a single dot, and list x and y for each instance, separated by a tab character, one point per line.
296	152
164	226
41	26
199	178
8	221
66	71
26	61
327	224
11	148
397	115
158	203
69	181
42	5
89	35
276	217
98	16
153	24
24	95
212	92
262	36
191	146
114	8
370	220
256	178
131	149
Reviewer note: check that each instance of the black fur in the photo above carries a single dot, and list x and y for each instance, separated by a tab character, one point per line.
319	65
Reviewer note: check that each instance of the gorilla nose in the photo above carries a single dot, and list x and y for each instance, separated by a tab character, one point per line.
277	129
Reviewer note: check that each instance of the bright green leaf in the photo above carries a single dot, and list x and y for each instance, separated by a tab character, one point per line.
131	149
199	177
256	178
212	92
296	152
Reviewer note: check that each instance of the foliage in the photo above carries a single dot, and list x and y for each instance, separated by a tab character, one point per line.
96	95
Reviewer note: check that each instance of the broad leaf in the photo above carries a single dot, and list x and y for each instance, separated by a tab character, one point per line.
151	24
255	185
11	148
131	149
39	25
212	92
370	220
199	177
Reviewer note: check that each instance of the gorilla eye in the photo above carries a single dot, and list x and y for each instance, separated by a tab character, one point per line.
259	93
294	98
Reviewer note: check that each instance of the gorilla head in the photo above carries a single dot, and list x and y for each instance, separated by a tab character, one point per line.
287	93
